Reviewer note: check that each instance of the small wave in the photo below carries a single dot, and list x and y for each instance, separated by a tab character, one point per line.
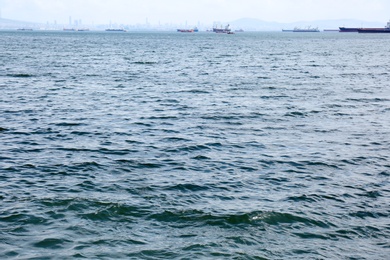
94	209
313	198
51	243
189	148
116	151
296	114
73	149
162	118
175	139
88	164
145	62
21	218
308	235
317	163
134	142
368	100
276	218
225	55
69	124
197	91
188	187
201	157
20	75
80	133
368	214
198	217
143	124
140	164
371	194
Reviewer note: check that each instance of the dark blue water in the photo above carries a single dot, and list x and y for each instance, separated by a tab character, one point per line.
194	146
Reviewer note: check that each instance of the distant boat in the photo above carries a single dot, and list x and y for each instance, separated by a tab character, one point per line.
222	30
25	29
116	30
69	29
185	30
284	30
83	30
239	30
308	29
386	29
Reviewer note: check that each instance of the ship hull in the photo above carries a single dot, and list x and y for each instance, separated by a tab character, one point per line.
363	30
221	30
346	29
306	31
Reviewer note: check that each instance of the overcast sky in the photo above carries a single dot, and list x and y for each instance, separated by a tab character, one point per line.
192	11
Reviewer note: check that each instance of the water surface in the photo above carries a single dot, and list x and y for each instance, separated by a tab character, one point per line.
187	146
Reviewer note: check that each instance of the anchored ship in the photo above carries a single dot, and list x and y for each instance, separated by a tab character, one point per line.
386	29
222	30
116	30
348	29
308	29
188	30
185	30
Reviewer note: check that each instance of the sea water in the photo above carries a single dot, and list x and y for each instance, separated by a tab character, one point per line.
194	146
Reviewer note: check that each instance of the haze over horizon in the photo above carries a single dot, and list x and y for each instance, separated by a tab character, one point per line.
191	12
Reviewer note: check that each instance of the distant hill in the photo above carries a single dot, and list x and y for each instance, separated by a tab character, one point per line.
9	21
10	24
250	24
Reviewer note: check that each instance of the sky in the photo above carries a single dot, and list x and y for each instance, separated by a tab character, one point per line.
192	11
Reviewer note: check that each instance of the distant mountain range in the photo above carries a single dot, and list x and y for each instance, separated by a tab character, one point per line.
9	21
250	24
10	24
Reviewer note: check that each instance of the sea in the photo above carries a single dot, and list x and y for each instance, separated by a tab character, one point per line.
166	145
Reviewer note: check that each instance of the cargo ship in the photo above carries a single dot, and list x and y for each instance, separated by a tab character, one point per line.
348	29
188	30
116	30
185	30
386	29
222	30
296	29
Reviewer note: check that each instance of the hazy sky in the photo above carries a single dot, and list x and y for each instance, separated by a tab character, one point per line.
192	11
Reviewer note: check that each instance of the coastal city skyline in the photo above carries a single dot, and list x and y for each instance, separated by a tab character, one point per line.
190	12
